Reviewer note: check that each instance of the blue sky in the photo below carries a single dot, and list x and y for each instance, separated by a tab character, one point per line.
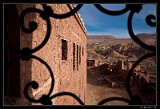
98	23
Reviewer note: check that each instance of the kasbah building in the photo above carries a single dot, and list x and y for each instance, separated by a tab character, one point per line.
65	53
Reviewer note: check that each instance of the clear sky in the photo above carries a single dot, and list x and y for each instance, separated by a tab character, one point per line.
99	23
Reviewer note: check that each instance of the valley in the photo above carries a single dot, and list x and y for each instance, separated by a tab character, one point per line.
108	51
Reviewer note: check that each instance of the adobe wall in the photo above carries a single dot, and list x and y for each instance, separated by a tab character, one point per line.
91	63
25	66
123	73
66	78
25	42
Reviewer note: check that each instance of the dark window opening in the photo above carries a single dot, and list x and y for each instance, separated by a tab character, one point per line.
74	53
79	54
90	63
64	49
82	51
77	57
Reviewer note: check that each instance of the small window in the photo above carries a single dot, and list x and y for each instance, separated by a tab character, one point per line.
74	55
82	51
64	49
77	57
79	54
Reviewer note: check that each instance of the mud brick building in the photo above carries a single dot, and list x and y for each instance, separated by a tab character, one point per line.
65	53
93	63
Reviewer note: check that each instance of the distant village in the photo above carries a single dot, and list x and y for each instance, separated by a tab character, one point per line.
122	67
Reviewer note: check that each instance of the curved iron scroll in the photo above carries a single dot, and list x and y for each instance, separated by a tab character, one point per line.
46	13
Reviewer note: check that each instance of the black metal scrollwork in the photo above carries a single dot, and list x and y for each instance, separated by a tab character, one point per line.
33	25
133	8
46	13
106	11
26	52
34	84
62	16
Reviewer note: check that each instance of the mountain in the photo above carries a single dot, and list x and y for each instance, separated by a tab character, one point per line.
147	38
99	38
146	35
110	39
108	45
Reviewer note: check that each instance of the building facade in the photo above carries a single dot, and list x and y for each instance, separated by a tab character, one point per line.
93	63
65	53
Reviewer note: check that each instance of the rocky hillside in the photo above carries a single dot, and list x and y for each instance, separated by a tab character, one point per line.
99	38
110	39
110	48
148	38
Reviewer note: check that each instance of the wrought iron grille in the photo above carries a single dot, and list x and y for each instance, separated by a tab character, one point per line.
26	54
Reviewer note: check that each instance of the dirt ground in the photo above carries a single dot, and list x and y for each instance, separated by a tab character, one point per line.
97	92
98	89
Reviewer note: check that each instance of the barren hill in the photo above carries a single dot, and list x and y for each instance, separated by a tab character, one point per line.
147	38
109	49
115	54
108	45
100	38
110	39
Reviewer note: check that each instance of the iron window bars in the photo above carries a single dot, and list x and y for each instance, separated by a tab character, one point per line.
46	13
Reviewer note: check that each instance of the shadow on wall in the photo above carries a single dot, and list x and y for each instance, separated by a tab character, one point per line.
18	73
